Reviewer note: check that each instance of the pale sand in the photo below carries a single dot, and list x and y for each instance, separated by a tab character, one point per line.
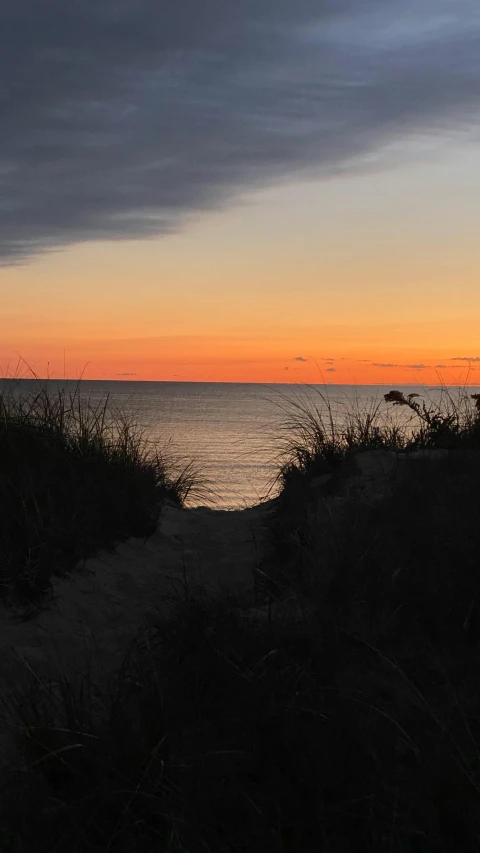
94	614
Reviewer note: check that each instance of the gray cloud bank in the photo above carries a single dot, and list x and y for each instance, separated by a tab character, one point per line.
120	118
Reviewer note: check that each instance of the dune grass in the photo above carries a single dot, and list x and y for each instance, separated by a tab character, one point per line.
74	477
318	436
319	441
354	727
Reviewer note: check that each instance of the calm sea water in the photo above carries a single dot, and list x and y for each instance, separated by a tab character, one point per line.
232	431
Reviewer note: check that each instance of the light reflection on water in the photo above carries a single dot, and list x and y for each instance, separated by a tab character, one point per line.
232	431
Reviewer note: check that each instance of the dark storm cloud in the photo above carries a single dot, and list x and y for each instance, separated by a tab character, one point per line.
119	118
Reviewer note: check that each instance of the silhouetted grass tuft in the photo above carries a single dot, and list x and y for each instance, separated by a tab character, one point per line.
449	422
319	443
319	438
74	477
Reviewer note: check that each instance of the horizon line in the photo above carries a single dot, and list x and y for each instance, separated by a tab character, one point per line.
233	382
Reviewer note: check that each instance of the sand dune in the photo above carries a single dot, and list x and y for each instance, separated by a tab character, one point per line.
93	615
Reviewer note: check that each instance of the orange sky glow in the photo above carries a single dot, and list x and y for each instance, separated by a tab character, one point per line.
241	192
342	282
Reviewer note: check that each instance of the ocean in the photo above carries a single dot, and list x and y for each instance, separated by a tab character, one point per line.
233	432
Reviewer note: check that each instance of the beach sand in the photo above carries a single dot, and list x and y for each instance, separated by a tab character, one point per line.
91	617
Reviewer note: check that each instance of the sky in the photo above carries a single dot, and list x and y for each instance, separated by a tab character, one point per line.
234	190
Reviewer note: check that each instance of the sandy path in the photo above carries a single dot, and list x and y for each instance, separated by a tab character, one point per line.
95	612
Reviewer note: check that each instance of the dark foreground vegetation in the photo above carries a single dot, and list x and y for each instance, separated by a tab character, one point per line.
74	477
352	725
320	447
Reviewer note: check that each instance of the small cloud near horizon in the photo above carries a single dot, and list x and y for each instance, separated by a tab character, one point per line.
416	366
125	374
381	364
466	358
331	370
300	358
